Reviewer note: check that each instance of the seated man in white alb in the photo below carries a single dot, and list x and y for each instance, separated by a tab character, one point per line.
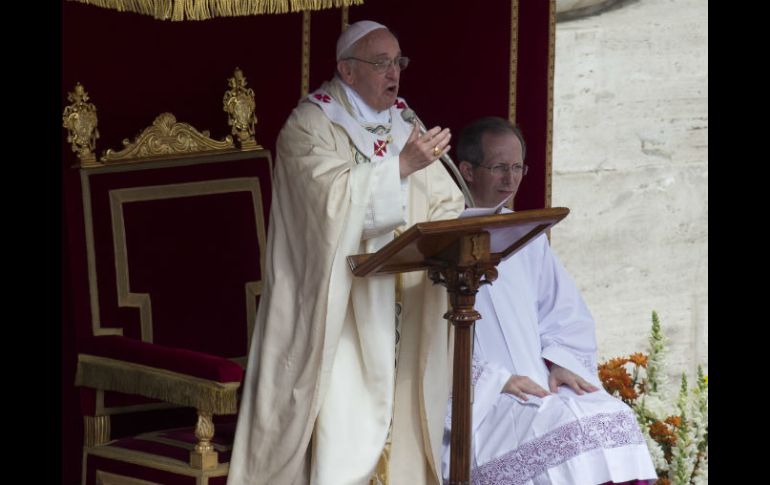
540	415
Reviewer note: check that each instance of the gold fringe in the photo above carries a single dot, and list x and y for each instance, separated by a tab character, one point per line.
305	68
180	10
549	122
513	68
183	390
514	60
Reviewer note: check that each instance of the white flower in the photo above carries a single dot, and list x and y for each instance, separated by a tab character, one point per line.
658	408
684	454
701	476
689	453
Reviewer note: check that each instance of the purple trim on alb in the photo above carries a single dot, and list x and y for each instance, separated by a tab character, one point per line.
607	430
476	370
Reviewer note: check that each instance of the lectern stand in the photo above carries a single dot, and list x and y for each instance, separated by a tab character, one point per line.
461	254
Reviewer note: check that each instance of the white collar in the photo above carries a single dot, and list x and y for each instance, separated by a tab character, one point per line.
362	111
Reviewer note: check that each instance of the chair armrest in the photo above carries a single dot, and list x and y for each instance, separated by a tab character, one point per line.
179	376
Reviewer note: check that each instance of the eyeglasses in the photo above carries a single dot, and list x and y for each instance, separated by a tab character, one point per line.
400	63
502	169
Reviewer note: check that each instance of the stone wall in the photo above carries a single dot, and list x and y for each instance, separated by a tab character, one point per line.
630	160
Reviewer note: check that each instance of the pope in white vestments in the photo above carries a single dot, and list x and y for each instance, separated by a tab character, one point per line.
539	413
332	394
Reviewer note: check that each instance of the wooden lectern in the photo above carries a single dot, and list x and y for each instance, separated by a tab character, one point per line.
461	254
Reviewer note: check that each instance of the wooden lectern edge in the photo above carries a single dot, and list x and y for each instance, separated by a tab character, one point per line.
355	260
431	227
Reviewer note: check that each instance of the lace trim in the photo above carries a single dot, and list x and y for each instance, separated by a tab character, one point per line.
606	430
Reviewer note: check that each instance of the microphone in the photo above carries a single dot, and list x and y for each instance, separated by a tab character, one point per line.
410	117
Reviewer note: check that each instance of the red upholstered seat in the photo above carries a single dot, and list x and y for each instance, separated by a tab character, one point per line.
182	361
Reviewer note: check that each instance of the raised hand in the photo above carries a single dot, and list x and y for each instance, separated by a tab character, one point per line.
422	150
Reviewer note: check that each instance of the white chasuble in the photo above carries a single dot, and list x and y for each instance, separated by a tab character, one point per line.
321	362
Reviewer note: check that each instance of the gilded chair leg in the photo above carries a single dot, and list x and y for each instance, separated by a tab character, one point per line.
204	457
96	430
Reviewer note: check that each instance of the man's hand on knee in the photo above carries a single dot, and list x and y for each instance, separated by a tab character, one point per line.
559	375
520	386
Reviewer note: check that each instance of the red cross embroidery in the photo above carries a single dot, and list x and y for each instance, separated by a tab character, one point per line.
380	147
322	97
400	104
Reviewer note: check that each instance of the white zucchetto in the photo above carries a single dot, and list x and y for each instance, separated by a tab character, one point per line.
353	33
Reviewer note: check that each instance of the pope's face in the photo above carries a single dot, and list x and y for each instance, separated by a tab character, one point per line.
377	89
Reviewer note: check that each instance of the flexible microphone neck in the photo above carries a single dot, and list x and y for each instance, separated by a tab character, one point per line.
410	117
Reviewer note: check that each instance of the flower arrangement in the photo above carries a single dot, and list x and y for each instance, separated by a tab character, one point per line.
676	432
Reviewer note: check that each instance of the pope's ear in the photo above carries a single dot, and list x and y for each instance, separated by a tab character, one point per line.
346	71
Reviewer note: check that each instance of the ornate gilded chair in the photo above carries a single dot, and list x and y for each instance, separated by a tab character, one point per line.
175	227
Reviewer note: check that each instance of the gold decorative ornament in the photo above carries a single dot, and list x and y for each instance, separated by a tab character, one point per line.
80	120
344	17
179	10
549	109
240	106
514	59
436	151
120	197
305	72
477	250
167	137
203	457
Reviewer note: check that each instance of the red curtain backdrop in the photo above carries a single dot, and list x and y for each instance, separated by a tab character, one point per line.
135	67
532	92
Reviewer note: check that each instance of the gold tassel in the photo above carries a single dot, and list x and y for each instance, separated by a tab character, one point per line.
173	387
180	10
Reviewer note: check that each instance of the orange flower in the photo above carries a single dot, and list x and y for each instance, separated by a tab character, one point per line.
675	421
616	362
616	379
662	433
639	359
614	373
628	393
